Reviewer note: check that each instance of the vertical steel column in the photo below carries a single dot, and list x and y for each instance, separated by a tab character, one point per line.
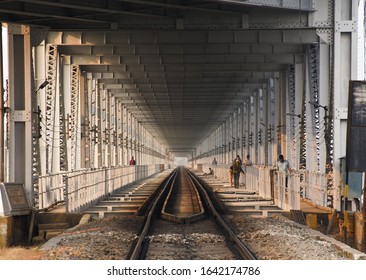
245	135
232	154
140	141
241	131
134	137
20	97
261	127
345	69
218	144
103	126
253	124
52	152
278	121
83	117
324	65
271	123
93	92
300	107
124	136
228	141
221	144
128	137
149	149
281	103
75	117
143	137
312	123
86	119
291	120
224	145
264	123
138	154
317	120
99	128
119	133
238	133
233	136
66	96
2	112
257	143
298	113
107	129
40	77
113	131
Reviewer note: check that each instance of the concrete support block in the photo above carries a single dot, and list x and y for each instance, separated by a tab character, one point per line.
199	167
359	221
6	229
311	220
350	226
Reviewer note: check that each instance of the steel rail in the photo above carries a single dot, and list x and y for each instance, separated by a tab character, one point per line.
199	211
240	248
141	239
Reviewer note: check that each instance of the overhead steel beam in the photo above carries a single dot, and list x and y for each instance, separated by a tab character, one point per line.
234	87
230	59
40	5
162	37
301	5
48	16
179	49
180	7
140	70
197	75
223	70
178	81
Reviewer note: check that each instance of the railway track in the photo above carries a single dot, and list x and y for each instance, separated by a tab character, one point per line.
183	222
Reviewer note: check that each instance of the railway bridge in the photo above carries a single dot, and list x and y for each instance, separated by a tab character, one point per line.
88	84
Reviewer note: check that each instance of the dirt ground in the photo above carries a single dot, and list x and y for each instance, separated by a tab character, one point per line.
21	253
270	239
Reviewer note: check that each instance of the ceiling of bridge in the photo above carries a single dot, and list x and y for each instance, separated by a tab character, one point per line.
180	67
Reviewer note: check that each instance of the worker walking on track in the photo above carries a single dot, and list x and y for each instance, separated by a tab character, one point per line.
236	170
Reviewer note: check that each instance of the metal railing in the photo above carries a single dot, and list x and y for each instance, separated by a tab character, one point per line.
83	188
270	184
287	197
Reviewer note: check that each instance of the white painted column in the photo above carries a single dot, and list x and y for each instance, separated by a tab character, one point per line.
345	69
40	77
324	64
253	132
20	97
271	125
299	90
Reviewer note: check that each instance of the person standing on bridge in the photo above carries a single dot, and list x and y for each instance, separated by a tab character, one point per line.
132	161
283	166
247	162
239	158
214	165
236	170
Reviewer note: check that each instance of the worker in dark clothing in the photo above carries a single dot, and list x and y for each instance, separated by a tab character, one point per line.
236	170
